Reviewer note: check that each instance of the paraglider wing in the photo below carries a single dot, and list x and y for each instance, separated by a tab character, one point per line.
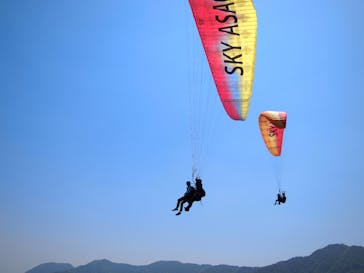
228	32
272	125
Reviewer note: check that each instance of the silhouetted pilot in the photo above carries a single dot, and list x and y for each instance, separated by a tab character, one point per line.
281	198
187	197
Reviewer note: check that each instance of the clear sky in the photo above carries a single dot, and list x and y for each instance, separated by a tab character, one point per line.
95	139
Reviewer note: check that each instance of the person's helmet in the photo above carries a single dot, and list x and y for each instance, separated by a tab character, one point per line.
188	183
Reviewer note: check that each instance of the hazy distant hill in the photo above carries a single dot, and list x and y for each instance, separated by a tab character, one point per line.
50	268
229	269
331	259
105	266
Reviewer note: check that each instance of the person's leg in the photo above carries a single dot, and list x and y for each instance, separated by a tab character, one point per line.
179	200
181	204
189	205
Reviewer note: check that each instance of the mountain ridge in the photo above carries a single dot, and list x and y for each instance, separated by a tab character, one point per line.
334	258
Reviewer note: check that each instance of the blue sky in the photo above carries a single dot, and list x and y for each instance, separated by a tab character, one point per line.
95	138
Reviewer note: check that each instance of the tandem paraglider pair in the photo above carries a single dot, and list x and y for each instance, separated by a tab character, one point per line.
231	52
191	195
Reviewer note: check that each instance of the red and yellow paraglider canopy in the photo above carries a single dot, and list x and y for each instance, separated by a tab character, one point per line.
228	31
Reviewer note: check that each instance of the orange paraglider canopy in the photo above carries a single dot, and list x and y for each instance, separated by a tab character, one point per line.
272	125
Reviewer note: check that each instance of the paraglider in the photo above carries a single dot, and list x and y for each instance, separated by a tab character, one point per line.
228	31
272	125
